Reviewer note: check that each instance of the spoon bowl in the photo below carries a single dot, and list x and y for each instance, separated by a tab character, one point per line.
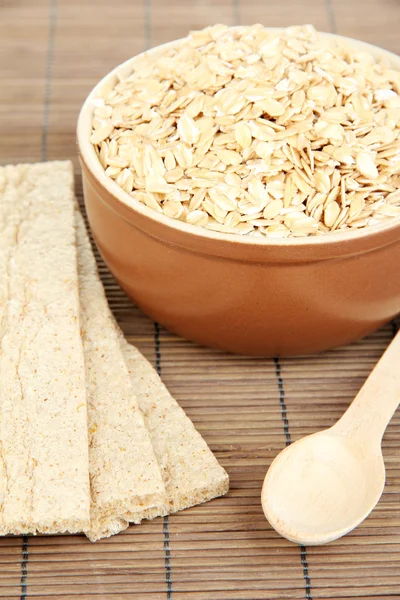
321	487
324	485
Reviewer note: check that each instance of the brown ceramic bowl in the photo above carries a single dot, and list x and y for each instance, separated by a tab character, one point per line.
241	294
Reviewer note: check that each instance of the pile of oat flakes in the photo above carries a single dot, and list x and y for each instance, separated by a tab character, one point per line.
250	131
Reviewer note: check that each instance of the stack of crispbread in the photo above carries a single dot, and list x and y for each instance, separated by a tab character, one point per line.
90	438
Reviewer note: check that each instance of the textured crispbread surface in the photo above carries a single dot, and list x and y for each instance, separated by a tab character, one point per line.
190	470
44	484
125	477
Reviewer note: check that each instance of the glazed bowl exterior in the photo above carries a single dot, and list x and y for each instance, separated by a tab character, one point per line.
247	295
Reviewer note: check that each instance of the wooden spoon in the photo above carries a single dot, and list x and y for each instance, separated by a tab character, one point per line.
324	485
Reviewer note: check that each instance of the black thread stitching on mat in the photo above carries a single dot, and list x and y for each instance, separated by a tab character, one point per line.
288	441
157	349
303	555
167	547
45	121
24	566
331	15
48	76
282	402
167	551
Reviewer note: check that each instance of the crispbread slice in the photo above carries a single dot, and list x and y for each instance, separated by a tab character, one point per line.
191	472
44	483
125	477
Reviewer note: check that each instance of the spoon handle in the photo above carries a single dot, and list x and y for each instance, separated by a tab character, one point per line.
378	399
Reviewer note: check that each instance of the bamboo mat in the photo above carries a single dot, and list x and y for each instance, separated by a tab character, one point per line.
51	53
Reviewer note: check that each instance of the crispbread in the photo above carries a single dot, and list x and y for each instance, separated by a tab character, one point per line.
191	472
124	474
44	483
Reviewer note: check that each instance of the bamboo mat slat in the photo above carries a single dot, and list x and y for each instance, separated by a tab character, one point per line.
51	54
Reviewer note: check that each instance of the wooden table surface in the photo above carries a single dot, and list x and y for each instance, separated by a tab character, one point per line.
51	54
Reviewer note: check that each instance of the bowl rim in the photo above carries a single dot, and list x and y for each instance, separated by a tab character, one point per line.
323	242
